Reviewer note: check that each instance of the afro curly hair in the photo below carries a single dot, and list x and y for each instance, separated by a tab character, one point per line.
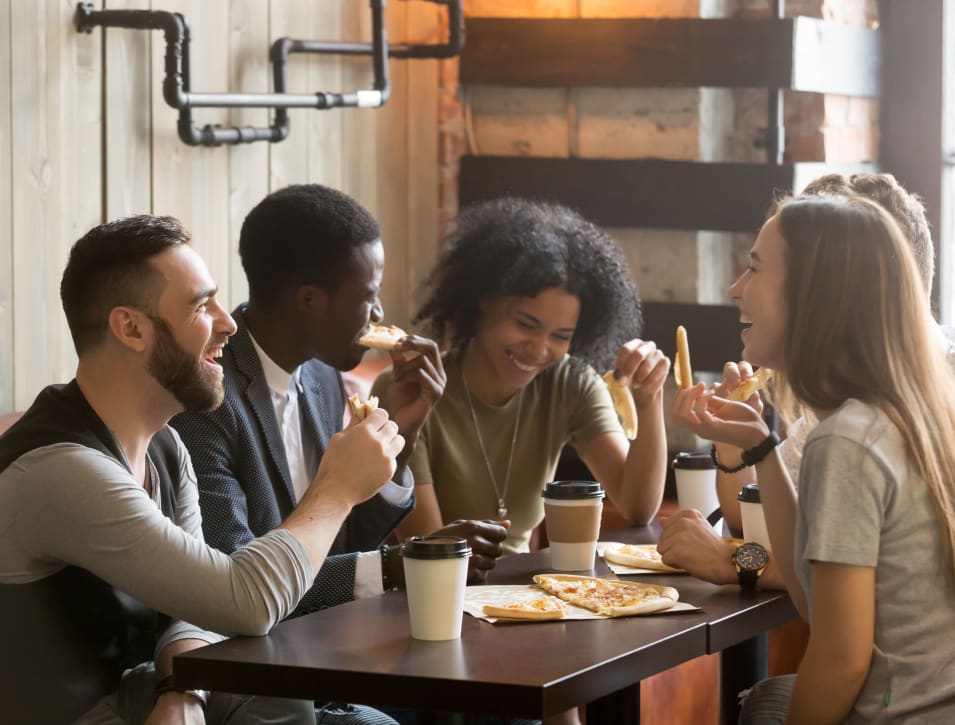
512	247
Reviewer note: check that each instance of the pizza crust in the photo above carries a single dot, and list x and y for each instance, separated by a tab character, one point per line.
639	556
610	597
623	403
742	392
359	409
535	609
383	337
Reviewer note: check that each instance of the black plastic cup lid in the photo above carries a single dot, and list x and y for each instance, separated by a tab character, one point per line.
693	461
749	493
435	547
573	490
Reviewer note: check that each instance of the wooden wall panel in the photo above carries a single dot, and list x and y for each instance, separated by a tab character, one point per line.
421	160
86	136
326	153
6	214
192	182
288	163
127	115
249	72
55	163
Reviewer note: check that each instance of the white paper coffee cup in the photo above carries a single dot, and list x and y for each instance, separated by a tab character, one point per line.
696	482
754	520
436	572
572	512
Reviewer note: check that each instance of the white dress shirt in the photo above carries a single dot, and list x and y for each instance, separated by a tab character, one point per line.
284	389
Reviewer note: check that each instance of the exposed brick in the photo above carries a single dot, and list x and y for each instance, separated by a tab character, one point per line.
521	8
519	121
805	147
637	123
639	8
664	262
837	110
851	144
863	111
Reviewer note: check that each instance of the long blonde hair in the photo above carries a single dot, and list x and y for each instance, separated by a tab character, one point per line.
860	327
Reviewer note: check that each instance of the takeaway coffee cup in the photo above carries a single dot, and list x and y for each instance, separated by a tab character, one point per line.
436	572
572	510
754	522
696	482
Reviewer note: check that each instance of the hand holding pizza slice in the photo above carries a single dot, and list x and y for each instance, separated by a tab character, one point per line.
361	409
623	403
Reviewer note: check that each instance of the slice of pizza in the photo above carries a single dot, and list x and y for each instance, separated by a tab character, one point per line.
383	337
610	597
639	556
536	609
359	409
623	403
745	389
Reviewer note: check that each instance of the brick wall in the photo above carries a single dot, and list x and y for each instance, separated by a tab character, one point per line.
668	123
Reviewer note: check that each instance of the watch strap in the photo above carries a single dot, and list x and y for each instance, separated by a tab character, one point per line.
748	579
165	685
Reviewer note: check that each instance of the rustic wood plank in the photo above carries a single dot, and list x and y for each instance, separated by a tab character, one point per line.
192	182
634	193
249	72
128	115
79	146
421	163
6	214
650	194
685	52
55	180
288	160
327	155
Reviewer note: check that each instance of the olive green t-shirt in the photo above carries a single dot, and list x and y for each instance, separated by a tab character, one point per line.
567	403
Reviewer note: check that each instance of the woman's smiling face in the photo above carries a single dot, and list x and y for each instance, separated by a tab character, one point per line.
520	337
760	294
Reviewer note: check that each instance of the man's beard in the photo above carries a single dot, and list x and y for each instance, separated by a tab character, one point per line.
195	386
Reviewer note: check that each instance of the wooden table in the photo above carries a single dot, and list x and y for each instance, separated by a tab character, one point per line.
362	652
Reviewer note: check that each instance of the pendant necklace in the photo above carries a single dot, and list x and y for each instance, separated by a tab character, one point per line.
499	494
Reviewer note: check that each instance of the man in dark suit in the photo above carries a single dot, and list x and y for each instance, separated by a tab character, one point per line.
314	260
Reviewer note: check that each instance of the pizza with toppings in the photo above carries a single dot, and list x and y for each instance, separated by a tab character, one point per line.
383	337
639	556
609	597
540	608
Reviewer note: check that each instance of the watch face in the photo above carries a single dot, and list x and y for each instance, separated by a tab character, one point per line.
751	556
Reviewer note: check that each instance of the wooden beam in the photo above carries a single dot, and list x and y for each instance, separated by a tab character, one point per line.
712	331
802	54
644	193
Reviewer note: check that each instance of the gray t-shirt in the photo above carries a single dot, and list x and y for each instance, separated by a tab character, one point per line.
66	504
861	504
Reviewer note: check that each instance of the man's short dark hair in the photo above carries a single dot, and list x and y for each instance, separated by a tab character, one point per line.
303	234
110	267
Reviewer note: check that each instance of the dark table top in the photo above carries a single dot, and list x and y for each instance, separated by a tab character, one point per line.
363	652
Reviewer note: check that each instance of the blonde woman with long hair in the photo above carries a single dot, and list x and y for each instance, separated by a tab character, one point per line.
834	301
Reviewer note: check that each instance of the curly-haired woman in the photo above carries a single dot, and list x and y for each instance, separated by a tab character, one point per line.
530	298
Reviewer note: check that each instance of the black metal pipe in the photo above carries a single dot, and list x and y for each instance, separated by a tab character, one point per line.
776	122
176	82
449	49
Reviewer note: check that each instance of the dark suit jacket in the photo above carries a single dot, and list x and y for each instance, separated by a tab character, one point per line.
245	489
